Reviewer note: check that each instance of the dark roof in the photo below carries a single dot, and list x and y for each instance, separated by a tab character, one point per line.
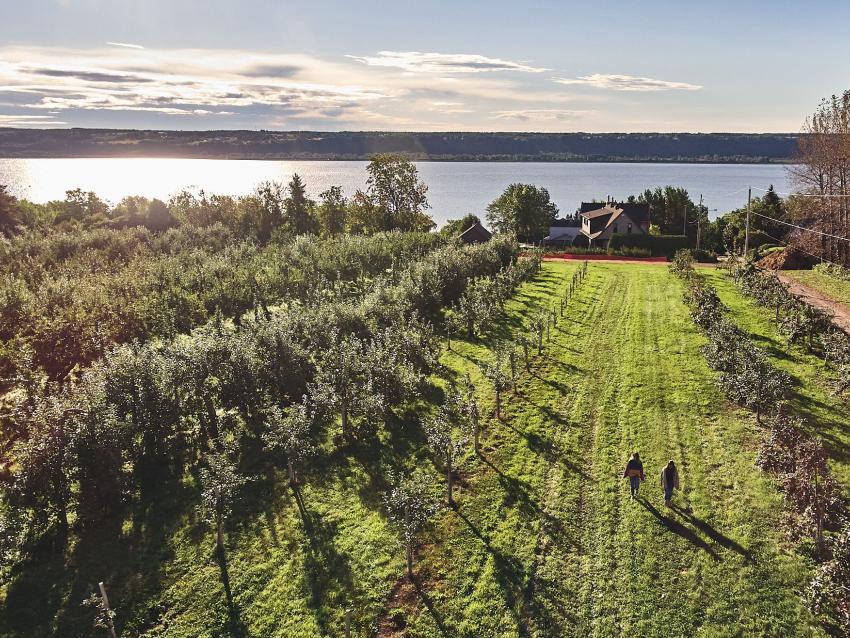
638	212
564	223
476	233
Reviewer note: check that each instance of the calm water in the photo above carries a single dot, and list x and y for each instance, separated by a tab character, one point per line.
455	188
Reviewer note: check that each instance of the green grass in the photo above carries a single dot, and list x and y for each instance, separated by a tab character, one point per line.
831	287
813	393
545	540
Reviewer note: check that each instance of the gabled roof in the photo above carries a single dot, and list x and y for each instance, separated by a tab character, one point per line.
637	211
476	232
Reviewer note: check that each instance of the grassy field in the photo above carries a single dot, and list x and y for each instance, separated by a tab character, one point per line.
832	287
813	394
545	540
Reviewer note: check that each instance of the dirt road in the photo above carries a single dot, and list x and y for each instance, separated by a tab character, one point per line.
840	312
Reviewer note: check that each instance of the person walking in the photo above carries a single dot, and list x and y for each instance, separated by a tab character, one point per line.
634	472
669	481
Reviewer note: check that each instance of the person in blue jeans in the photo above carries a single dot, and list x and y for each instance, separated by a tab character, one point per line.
634	472
669	481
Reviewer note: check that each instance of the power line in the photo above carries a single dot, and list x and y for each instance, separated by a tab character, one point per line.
802	250
810	230
767	190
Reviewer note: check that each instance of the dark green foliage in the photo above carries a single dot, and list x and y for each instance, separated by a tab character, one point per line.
657	245
9	212
524	210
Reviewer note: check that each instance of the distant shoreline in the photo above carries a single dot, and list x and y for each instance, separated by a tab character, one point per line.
619	148
789	162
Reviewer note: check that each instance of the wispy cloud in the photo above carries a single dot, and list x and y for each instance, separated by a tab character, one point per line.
541	115
419	62
628	83
35	121
126	45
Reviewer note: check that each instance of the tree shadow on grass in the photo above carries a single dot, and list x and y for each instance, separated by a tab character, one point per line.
718	537
429	605
236	627
327	572
44	595
679	529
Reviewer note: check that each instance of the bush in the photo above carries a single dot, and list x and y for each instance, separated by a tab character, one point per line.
833	270
659	246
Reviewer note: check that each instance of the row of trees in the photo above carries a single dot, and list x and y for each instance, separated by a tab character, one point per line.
55	317
395	198
789	452
411	503
800	321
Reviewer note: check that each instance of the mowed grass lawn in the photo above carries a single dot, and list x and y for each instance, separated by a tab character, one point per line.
813	391
545	540
832	287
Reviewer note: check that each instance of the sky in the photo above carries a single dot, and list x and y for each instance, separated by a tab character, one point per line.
432	65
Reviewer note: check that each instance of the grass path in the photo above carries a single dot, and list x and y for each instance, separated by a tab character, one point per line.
813	395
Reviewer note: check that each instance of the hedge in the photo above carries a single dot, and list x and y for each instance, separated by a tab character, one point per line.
665	245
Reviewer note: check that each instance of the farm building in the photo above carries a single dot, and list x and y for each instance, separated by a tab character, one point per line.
475	234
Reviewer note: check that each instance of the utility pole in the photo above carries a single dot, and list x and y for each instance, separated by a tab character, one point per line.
747	232
699	220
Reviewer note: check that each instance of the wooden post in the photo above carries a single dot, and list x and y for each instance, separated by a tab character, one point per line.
347	623
105	600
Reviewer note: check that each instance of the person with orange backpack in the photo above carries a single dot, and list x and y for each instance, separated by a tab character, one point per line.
634	472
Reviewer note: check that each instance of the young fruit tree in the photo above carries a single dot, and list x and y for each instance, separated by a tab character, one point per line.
288	431
831	584
220	484
526	342
495	371
445	441
343	382
468	407
411	505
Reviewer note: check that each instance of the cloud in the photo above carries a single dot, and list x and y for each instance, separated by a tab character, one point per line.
627	83
418	62
176	82
540	115
126	45
271	70
35	121
87	75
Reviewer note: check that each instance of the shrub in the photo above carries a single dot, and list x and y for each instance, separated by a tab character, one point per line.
662	245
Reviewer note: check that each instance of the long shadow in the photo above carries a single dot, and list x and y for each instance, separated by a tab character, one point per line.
44	593
712	533
679	529
429	604
509	573
237	627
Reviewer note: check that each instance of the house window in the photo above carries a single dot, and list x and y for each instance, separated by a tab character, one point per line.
615	228
629	231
